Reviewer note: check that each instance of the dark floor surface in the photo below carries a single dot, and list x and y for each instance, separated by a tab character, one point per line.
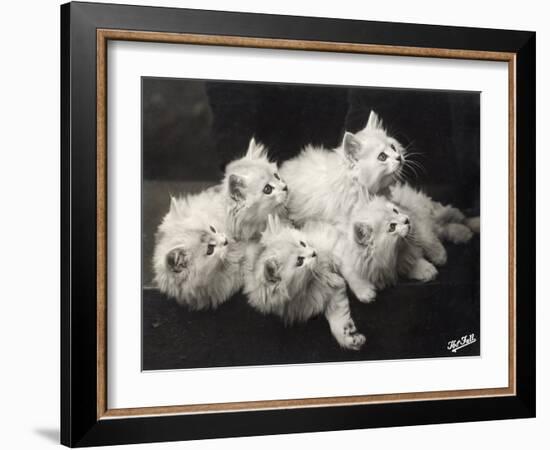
410	320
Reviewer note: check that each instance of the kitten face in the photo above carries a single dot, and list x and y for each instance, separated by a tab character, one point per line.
380	228
188	247
255	189
287	260
197	252
288	256
259	186
194	261
376	156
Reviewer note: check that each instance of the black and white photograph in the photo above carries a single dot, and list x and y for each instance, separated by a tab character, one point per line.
278	224
301	223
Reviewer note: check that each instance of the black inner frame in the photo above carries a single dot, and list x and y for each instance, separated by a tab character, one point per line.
79	423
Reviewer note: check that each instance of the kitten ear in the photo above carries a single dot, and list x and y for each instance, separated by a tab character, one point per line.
174	207
255	150
271	271
352	146
237	185
362	232
374	121
177	260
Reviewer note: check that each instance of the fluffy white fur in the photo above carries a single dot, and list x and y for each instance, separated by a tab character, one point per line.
253	189
473	223
379	243
327	184
194	260
445	222
293	274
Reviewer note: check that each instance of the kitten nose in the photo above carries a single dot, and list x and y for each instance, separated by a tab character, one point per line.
314	254
225	242
407	221
285	188
399	158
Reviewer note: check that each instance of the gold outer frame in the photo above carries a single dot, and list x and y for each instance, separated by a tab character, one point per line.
104	35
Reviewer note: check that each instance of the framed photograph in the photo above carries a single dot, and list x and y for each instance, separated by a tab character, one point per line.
276	224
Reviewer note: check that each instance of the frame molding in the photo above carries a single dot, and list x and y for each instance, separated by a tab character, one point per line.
105	35
86	29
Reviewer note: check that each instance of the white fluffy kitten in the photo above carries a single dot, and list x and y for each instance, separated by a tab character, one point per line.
194	260
444	221
293	274
253	189
379	243
327	184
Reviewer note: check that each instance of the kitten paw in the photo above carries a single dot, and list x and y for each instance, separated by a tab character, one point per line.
423	271
354	341
367	295
458	233
452	214
347	335
349	328
473	223
438	256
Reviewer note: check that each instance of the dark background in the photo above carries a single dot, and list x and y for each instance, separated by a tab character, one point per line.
193	128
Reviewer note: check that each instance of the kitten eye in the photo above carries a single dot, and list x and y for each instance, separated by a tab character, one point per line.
395	211
268	189
393	147
382	157
302	243
392	227
276	175
300	261
212	229
210	249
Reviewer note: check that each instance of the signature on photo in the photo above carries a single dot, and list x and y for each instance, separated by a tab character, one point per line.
456	344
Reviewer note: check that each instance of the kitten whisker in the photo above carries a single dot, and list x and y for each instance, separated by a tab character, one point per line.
408	179
418	165
415	163
412	163
411	168
408	154
401	176
412	240
408	158
409	145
